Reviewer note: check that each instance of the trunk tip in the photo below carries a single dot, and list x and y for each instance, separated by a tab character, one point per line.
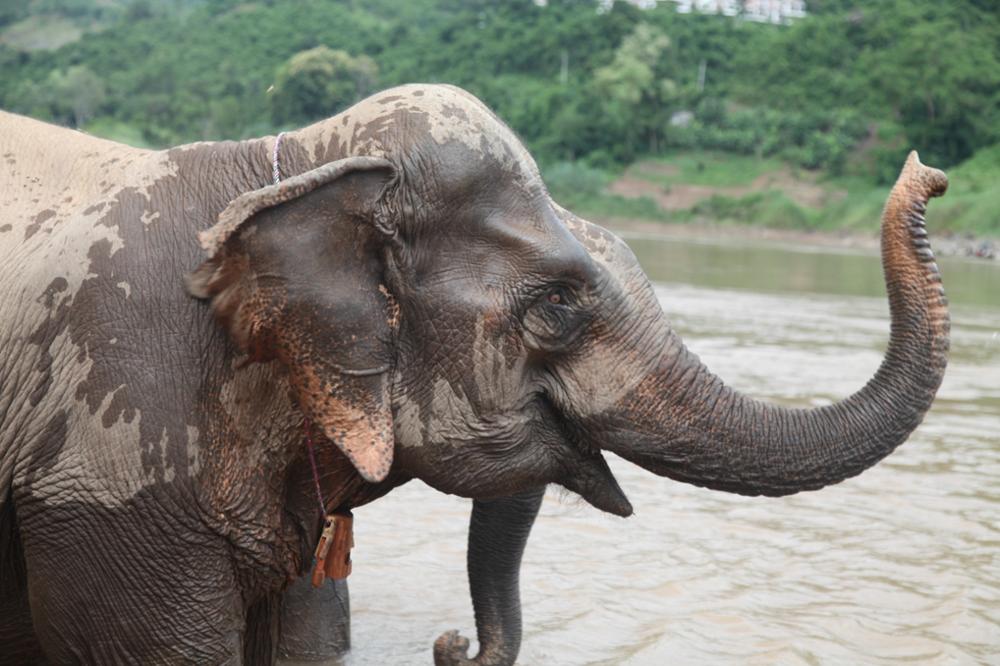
929	181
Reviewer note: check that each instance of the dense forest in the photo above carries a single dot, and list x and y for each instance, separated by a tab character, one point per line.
846	90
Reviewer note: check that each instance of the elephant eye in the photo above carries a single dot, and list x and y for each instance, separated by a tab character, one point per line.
553	321
559	295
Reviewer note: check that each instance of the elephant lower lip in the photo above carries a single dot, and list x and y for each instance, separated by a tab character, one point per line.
620	506
594	482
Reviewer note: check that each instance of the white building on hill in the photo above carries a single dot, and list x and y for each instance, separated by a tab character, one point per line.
763	11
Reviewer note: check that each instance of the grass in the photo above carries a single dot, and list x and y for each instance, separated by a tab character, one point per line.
972	203
971	206
114	130
45	31
711	169
583	190
765	209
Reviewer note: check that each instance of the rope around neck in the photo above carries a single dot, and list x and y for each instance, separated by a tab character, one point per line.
315	469
275	173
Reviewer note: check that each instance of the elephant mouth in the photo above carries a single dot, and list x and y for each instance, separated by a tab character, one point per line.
579	466
590	477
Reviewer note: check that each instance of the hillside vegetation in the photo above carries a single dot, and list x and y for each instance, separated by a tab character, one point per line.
834	100
723	188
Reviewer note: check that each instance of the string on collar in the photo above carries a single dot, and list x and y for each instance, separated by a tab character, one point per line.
312	463
275	172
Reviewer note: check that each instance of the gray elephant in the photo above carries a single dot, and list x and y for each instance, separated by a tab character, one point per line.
173	323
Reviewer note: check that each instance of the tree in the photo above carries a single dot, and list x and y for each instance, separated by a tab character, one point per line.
634	82
73	95
318	82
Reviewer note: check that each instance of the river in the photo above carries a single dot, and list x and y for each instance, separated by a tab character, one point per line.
899	565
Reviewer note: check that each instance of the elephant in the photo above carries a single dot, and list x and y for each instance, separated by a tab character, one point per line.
392	288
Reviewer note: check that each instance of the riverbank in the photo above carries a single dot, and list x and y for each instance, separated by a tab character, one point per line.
946	244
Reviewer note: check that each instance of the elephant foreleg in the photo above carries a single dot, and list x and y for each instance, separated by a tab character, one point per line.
498	532
315	623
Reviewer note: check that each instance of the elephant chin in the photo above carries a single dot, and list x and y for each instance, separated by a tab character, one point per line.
591	479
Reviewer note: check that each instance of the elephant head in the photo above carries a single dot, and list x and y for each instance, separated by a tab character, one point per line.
438	312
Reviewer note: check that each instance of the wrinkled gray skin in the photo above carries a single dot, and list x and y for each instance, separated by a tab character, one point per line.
413	291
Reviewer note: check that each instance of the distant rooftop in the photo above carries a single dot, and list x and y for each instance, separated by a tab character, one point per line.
762	11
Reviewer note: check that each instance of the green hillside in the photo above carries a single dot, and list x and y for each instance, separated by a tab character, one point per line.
842	93
694	186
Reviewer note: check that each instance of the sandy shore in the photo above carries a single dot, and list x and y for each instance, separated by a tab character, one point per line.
987	249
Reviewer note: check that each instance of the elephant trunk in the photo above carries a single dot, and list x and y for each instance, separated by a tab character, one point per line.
683	422
498	533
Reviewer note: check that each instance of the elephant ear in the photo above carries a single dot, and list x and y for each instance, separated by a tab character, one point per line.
295	274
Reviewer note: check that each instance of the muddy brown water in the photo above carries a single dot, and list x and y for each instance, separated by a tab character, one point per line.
899	565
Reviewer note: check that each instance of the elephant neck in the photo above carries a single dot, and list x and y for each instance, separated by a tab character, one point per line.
215	173
326	141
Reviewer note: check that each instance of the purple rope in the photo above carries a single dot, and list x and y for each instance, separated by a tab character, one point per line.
315	470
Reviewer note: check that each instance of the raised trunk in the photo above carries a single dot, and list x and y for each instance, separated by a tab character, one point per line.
683	422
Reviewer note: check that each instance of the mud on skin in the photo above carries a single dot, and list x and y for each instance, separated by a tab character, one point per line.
169	319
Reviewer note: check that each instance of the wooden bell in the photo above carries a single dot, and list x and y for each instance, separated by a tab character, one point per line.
333	552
